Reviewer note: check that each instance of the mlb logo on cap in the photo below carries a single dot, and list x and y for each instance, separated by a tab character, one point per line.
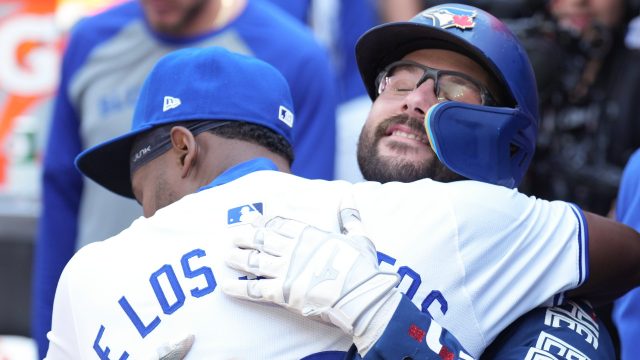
286	116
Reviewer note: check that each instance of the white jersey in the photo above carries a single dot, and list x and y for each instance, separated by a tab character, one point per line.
475	256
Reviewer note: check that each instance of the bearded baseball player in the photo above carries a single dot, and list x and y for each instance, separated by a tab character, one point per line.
402	66
207	158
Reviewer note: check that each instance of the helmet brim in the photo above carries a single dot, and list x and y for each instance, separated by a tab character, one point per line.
390	42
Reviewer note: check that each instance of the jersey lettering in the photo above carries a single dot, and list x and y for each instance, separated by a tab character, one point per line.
415	280
202	271
435	295
384	258
143	329
169	294
414	284
119	101
103	354
176	290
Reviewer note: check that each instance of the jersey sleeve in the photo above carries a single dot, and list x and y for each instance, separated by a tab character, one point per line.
61	191
62	338
532	251
569	330
413	334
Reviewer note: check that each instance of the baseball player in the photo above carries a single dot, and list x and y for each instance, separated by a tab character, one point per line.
105	63
133	295
199	160
625	310
393	145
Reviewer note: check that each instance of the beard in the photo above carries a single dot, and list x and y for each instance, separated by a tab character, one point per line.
375	167
184	21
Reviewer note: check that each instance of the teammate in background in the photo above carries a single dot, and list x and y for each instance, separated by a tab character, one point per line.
626	311
338	24
394	146
106	61
159	278
449	270
589	125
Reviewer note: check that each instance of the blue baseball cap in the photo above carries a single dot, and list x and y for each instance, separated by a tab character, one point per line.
204	84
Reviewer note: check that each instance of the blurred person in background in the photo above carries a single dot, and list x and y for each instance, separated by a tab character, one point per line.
105	63
588	81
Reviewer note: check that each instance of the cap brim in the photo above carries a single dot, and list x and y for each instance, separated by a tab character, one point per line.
387	43
108	163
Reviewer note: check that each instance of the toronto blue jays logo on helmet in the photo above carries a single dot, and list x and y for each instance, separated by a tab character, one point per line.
447	17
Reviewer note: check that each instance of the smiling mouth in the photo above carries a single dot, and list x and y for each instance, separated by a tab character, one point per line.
412	136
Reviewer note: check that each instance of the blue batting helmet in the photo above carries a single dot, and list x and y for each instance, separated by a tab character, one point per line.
485	143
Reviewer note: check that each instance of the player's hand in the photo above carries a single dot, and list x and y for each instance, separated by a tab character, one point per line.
333	277
176	350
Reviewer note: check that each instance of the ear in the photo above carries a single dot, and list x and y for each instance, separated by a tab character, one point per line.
184	145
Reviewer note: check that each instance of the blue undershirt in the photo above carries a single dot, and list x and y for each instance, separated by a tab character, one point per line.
240	170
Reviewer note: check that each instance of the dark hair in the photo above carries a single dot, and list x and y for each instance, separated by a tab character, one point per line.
239	130
256	134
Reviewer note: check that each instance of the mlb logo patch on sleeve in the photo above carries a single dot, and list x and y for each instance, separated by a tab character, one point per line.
244	213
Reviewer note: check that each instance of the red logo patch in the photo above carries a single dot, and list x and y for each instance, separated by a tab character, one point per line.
446	354
463	21
416	333
451	17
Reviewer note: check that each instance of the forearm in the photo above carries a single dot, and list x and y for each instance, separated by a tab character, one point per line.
614	260
411	333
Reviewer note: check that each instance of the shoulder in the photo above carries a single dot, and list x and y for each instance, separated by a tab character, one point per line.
97	255
478	205
110	19
633	164
469	191
631	173
94	30
263	19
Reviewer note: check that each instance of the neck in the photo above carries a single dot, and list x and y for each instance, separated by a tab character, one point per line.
220	154
210	15
228	10
216	15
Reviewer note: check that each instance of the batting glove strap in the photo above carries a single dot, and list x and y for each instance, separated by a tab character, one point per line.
354	311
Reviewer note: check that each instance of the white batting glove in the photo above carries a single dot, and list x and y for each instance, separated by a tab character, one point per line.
332	277
176	350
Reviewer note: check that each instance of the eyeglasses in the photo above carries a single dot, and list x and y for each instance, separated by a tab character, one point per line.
402	77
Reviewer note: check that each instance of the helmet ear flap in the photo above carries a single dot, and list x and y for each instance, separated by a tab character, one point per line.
482	143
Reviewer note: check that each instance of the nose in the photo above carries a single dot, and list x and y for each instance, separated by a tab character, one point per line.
417	102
